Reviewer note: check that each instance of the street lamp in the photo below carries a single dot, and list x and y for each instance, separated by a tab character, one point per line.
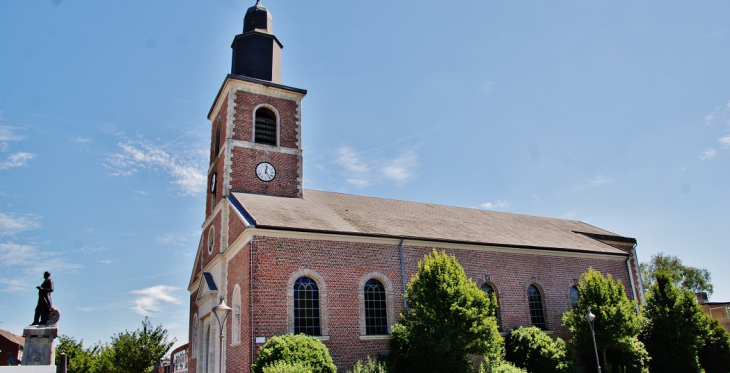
221	313
590	317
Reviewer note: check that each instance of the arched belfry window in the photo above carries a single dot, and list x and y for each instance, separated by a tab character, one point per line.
265	126
306	307
489	289
574	297
217	140
376	311
537	313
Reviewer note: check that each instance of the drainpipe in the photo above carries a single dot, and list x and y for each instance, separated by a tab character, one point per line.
250	294
402	275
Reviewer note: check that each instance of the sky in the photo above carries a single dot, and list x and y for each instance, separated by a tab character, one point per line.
615	113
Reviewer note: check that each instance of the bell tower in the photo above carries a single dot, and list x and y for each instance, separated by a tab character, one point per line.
256	120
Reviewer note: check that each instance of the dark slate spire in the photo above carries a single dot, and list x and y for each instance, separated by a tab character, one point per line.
256	51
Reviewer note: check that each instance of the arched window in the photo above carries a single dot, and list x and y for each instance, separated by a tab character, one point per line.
265	127
208	351
306	307
217	140
489	289
194	339
376	312
537	315
236	330
574	297
211	239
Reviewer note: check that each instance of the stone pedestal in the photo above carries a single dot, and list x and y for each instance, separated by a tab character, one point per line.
40	345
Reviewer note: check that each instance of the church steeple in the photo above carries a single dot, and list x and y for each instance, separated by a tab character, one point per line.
256	51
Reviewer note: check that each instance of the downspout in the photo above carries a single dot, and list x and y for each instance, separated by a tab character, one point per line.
250	294
631	277
402	274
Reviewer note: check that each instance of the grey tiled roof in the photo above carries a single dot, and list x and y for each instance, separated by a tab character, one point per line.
350	214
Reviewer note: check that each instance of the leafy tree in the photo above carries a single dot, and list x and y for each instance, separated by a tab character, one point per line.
500	367
685	277
281	366
140	350
676	327
617	324
715	354
533	350
294	350
448	320
80	359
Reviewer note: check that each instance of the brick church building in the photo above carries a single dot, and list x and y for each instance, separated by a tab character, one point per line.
332	265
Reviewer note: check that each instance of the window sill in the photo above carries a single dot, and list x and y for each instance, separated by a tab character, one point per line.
375	337
548	332
322	337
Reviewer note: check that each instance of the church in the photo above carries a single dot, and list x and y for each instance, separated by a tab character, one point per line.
335	266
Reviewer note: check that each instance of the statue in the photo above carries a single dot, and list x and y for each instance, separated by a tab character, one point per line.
44	306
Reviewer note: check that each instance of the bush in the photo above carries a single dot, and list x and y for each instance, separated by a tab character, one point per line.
448	320
294	350
501	367
284	367
533	350
715	354
369	365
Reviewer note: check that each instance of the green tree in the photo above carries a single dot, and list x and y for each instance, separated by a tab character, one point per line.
617	324
676	327
138	351
715	354
81	359
448	320
295	351
685	277
532	350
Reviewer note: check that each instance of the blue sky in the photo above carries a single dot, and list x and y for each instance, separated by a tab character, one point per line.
613	113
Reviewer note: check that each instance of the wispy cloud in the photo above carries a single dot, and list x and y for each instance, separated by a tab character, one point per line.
708	154
149	299
81	140
12	224
186	168
724	141
7	133
14	285
25	262
499	205
16	160
593	183
362	171
172	238
91	249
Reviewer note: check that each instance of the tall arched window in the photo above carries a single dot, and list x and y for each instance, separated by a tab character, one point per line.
265	127
574	297
537	315
208	351
376	312
487	288
236	329
194	339
306	307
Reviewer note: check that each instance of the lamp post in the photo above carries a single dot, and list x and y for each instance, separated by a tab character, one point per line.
221	313
590	317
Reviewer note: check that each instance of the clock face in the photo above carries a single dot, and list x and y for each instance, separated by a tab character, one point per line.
265	171
213	179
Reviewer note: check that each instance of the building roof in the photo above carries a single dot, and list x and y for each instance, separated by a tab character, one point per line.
319	211
12	337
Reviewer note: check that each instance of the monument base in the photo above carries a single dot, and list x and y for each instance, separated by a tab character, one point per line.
39	346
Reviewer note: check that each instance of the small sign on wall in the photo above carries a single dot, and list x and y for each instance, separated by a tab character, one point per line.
260	339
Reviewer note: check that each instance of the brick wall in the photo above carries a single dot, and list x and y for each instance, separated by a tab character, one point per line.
285	183
342	264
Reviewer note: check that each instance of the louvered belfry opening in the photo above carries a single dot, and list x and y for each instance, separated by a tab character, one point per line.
265	131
